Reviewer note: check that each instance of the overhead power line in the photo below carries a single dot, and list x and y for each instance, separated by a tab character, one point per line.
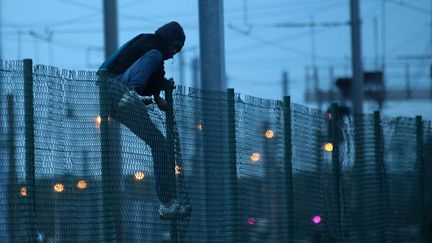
409	6
82	5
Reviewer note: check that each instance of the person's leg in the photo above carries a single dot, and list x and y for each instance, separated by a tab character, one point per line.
133	114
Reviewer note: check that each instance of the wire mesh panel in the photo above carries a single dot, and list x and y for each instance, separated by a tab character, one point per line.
260	164
201	120
67	148
404	181
365	190
310	164
189	121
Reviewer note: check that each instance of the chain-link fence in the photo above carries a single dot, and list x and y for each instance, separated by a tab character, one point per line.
253	170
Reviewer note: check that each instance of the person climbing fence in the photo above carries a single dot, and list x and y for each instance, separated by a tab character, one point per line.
135	72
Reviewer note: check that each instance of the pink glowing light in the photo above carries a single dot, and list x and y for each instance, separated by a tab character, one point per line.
316	219
251	220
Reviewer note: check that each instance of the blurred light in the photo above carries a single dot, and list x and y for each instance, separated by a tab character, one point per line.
58	187
98	120
328	147
269	134
316	219
255	157
199	127
251	220
178	170
82	184
329	116
23	191
139	175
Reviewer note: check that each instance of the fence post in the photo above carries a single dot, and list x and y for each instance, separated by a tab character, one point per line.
110	163
381	170
288	166
174	234
335	140
422	178
29	143
237	232
104	139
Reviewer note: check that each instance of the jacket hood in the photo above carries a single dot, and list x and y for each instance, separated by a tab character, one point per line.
172	34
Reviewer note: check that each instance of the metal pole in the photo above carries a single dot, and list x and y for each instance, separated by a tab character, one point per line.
334	140
212	63
236	229
331	83
383	40
110	26
357	102
111	132
198	166
1	36
316	84
307	79
212	47
375	21
285	91
288	168
382	175
357	85
105	154
29	143
422	179
19	43
408	82
195	73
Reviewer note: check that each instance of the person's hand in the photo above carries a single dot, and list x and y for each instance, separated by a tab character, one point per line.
161	103
147	100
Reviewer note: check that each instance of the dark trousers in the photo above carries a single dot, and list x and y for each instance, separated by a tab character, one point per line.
128	109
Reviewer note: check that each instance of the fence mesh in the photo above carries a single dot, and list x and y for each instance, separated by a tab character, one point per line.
253	170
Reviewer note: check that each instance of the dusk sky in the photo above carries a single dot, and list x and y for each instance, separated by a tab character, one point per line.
69	34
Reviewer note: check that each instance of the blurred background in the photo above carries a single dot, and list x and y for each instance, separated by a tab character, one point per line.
305	44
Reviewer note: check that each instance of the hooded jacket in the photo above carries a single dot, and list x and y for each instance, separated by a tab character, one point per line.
168	35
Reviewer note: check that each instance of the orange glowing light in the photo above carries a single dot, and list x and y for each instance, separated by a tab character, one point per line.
98	120
199	127
328	147
255	157
178	170
58	187
82	184
139	175
23	191
269	134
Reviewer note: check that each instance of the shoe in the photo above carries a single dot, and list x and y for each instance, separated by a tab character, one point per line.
175	210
